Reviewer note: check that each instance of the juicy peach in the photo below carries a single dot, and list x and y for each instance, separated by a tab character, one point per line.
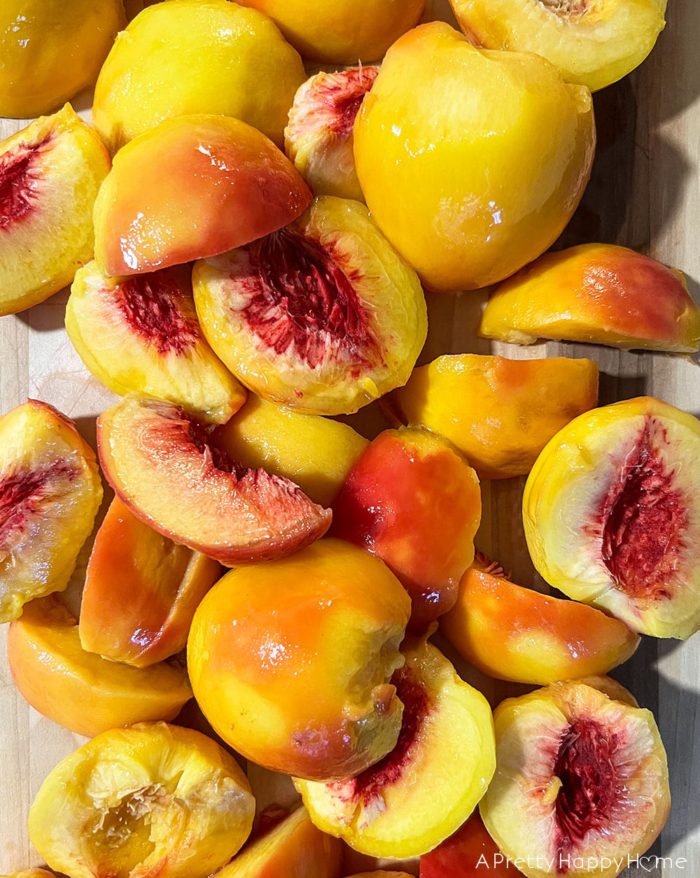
611	514
500	413
49	176
290	660
193	187
469	852
596	293
471	162
50	492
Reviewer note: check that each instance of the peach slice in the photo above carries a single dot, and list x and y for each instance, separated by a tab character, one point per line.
81	691
153	799
318	138
141	591
290	660
592	42
322	316
585	775
193	187
596	293
49	176
50	492
414	502
500	413
469	852
430	783
140	335
164	467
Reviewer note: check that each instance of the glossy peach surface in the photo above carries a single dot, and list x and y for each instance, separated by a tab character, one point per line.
465	854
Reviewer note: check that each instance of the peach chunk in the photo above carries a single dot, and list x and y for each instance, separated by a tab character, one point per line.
50	492
469	853
166	469
141	591
193	187
612	515
81	691
513	633
414	502
150	800
596	293
140	335
500	413
49	176
290	660
586	776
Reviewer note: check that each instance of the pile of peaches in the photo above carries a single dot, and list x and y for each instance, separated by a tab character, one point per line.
248	250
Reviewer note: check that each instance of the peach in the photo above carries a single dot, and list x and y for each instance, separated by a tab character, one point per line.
141	591
290	660
611	514
472	162
153	799
49	176
414	502
513	633
50	492
596	293
587	777
30	873
592	42
422	791
500	413
192	187
469	852
323	316
165	468
140	335
382	873
81	691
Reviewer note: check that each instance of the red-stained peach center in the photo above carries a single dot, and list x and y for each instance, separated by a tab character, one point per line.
21	494
568	9
343	95
18	181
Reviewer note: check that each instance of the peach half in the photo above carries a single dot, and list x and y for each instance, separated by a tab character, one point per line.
192	187
427	786
290	660
164	467
50	492
50	172
596	293
140	335
586	776
611	514
468	853
323	316
153	799
500	413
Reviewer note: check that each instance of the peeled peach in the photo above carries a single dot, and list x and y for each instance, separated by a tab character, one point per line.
500	413
472	162
290	660
611	514
50	492
596	293
153	799
49	176
193	187
323	316
140	335
581	782
468	853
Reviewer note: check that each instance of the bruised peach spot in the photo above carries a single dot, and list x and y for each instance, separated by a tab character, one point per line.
18	181
22	493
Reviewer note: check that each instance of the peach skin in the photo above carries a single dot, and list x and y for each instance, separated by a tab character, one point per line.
500	413
193	187
596	293
381	873
468	853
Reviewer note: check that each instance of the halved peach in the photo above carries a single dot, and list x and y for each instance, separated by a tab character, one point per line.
140	335
193	187
81	691
468	853
414	502
323	316
163	465
596	293
422	791
500	413
49	176
50	492
612	515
